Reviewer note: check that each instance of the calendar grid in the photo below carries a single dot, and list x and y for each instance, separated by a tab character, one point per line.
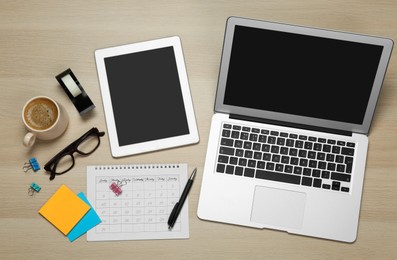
143	206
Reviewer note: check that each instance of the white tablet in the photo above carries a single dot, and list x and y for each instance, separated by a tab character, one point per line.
146	96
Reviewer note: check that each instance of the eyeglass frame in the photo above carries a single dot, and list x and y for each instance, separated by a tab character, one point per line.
51	165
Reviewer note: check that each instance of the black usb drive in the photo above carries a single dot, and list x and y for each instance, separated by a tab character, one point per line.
75	91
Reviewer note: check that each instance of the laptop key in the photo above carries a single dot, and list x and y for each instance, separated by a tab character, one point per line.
345	189
220	168
255	130
235	134
233	160
239	171
285	159
336	149
247	145
347	151
299	144
262	138
340	177
265	148
256	146
283	134
271	140
307	181
226	150
249	172
340	168
223	159
317	183
290	143
280	141
275	176
349	164
244	136
267	156
257	155
242	162
264	131
227	142
336	185
261	165
288	169
326	148
326	186
270	166
275	149
349	144
297	170
225	133
229	169
316	173
279	167
302	137
248	154
238	144
239	152
284	150
252	163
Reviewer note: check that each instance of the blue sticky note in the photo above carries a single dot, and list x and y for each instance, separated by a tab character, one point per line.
90	220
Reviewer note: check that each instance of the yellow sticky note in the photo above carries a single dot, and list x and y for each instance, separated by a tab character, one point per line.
64	209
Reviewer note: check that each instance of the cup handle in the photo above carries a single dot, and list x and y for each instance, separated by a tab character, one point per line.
29	139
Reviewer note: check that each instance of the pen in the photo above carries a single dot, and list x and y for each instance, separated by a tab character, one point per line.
178	206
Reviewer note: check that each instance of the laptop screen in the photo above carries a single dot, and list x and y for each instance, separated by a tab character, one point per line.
300	74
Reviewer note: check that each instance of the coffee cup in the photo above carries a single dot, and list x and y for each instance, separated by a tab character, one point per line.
44	119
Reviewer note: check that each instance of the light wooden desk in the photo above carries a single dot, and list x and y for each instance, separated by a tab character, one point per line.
38	40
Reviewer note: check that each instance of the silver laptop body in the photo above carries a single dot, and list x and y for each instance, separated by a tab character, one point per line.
288	142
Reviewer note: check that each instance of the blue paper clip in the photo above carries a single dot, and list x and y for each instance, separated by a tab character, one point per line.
33	188
32	164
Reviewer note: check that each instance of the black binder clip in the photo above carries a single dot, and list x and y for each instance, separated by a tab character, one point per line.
75	91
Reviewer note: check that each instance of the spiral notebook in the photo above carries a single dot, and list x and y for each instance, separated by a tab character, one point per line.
135	201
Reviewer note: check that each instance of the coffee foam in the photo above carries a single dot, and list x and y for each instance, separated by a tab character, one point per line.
41	114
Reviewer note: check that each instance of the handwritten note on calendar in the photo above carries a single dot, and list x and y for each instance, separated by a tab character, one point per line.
135	201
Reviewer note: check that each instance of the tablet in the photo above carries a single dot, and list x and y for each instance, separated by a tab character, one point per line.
146	96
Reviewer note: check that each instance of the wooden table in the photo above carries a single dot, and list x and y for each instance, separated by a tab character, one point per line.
40	39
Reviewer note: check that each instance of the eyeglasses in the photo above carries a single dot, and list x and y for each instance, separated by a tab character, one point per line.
64	160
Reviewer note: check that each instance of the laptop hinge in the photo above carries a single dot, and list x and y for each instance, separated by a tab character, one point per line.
288	124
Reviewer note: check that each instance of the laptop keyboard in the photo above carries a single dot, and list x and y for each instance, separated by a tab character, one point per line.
285	157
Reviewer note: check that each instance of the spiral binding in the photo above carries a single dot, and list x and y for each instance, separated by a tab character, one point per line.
136	166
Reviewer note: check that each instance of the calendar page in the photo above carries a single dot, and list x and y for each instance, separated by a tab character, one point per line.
135	201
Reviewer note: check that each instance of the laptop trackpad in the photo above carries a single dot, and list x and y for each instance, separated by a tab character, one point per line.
281	208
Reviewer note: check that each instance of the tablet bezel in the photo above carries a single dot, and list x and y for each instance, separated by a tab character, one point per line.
153	145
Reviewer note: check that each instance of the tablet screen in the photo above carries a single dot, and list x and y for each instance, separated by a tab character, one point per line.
146	96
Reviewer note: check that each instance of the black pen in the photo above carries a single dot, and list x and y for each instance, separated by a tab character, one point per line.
178	206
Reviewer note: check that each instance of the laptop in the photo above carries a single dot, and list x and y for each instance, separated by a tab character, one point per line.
289	138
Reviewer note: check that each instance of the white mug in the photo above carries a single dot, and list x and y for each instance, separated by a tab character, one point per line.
44	119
